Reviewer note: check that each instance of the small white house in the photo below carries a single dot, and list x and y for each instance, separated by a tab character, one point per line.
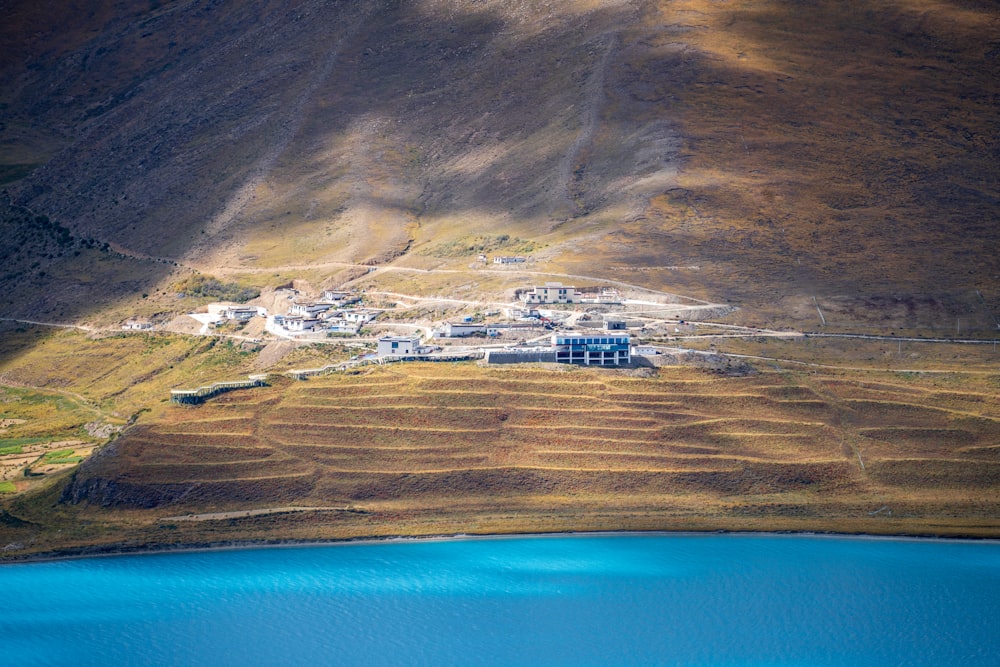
398	345
137	325
522	313
299	323
359	315
500	328
240	314
309	308
461	329
340	326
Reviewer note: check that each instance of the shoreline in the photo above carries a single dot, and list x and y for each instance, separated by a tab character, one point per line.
112	551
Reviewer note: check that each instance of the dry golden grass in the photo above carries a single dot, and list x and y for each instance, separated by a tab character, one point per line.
425	448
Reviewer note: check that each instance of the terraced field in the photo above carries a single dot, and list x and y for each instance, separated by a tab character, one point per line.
425	448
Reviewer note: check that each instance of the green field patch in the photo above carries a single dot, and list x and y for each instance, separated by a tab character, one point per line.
65	460
7	487
16	445
58	454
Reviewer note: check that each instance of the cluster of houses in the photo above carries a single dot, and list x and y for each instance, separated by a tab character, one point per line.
333	313
341	312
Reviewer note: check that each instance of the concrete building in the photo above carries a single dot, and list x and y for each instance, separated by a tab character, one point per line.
340	298
592	349
505	259
398	346
340	326
359	315
501	328
241	314
522	313
461	329
309	308
551	293
605	295
297	323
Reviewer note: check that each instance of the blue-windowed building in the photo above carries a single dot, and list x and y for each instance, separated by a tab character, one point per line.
592	349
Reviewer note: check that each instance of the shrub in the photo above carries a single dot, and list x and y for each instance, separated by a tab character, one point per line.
211	287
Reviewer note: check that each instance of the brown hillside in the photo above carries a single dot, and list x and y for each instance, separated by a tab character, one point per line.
429	448
842	150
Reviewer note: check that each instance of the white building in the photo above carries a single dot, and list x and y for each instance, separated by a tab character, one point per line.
461	329
551	293
359	315
501	328
335	296
298	323
241	314
608	295
340	326
309	308
522	313
398	346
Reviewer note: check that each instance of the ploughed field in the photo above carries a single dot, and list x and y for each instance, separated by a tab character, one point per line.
432	448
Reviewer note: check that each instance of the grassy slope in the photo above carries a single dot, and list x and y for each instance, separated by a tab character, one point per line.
788	150
456	448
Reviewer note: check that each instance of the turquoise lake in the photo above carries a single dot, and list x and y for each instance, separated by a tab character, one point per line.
561	600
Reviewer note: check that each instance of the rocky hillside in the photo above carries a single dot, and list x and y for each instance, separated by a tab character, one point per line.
761	152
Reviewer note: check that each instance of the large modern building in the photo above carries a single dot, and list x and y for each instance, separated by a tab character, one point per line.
592	349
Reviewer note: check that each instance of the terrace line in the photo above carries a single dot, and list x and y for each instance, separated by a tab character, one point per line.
195	396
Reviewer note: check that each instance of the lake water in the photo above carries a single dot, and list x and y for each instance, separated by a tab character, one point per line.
565	600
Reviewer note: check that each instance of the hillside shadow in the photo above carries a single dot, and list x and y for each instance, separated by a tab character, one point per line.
823	145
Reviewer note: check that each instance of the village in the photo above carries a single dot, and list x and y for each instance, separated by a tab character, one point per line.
547	323
596	326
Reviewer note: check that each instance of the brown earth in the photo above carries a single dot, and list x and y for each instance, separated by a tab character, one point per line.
429	448
786	150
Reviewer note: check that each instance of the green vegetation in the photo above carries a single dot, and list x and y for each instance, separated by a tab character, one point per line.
15	444
50	457
476	245
7	487
202	286
64	460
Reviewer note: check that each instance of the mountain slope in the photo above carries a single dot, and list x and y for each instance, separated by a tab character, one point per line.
787	150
